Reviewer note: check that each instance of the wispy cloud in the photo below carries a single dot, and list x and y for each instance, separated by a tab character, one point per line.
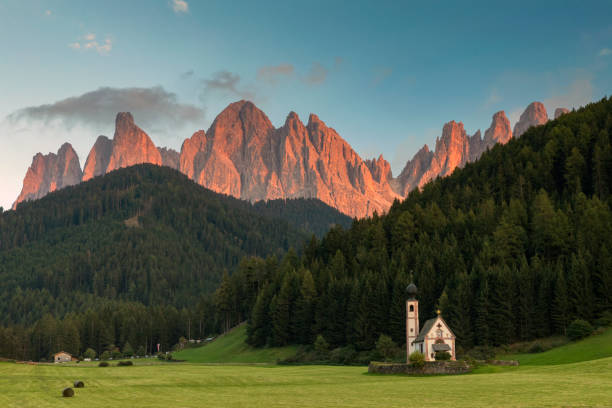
89	42
317	74
493	98
179	6
227	83
273	73
604	52
187	74
575	95
153	107
380	75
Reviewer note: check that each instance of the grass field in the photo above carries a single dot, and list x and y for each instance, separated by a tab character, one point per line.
557	383
231	348
587	384
592	348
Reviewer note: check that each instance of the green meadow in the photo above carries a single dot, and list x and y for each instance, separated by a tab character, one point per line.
560	382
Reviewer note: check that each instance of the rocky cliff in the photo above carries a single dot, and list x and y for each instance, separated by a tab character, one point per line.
242	154
170	157
534	115
560	111
50	172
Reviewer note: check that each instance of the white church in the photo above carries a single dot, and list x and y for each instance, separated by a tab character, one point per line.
435	335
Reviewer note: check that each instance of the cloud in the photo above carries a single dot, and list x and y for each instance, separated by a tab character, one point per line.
604	52
317	74
226	83
493	99
273	73
187	74
577	94
380	75
48	12
151	107
88	42
179	6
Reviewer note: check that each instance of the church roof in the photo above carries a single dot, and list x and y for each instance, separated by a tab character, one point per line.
426	328
441	347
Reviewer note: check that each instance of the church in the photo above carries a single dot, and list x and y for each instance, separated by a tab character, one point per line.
435	336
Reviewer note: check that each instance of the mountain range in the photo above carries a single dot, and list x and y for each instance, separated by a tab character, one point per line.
243	155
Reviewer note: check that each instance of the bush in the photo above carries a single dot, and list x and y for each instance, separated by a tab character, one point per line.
386	347
106	355
417	359
103	364
343	355
579	329
321	346
482	353
141	351
536	347
605	320
116	355
442	356
124	363
128	351
89	353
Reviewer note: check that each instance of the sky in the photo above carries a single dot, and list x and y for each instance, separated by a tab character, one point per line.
385	74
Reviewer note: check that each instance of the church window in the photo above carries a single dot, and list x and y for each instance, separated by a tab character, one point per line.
412	308
439	332
411	330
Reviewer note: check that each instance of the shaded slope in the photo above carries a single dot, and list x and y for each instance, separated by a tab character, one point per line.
231	348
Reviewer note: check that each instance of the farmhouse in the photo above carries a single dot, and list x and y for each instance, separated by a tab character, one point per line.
62	357
436	335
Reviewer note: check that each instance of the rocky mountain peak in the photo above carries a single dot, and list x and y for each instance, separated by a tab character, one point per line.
499	131
50	172
560	111
534	115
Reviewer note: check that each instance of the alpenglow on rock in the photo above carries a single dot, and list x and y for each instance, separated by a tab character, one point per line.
534	115
243	155
130	146
50	172
560	111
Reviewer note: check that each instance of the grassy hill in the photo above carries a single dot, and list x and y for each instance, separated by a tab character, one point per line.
231	348
591	348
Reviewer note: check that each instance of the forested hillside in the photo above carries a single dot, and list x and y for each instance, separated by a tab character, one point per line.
121	255
512	247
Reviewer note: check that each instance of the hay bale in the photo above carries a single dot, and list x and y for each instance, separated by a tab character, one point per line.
79	384
68	392
103	364
124	363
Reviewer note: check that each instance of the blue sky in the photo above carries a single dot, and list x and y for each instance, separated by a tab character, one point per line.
386	75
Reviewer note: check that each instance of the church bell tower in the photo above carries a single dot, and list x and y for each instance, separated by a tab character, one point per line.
412	318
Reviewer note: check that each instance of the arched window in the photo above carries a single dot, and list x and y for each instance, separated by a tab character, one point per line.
439	333
412	308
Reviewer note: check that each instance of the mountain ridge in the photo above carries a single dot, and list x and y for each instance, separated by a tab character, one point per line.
243	155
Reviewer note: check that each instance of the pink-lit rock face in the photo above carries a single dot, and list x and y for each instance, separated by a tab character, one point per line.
243	155
454	149
560	111
50	172
98	158
534	115
499	131
170	157
131	145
